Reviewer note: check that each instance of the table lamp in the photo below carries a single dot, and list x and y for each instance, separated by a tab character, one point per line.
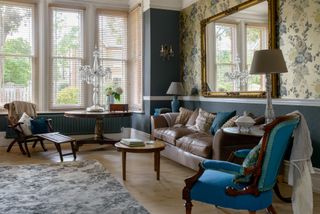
175	89
268	62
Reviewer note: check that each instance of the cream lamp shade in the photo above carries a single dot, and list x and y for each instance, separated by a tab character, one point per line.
268	61
175	88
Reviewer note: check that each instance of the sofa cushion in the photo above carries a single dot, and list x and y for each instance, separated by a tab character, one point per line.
220	119
203	121
197	143
183	116
193	117
171	134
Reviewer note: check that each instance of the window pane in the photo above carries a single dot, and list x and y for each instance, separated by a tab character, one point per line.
112	44
67	33
16	52
66	82
256	40
66	58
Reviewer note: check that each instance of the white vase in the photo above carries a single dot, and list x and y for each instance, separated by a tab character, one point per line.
109	100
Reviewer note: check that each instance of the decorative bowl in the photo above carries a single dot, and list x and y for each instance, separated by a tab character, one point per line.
244	123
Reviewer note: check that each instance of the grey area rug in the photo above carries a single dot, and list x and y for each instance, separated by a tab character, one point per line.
82	187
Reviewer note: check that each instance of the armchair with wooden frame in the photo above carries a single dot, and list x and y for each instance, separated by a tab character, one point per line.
215	181
14	113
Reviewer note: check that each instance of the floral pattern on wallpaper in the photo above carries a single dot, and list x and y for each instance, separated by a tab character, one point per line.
299	31
299	40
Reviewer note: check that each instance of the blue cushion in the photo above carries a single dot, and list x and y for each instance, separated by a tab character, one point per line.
211	186
220	119
39	126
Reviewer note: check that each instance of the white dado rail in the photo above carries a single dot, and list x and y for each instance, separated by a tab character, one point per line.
291	102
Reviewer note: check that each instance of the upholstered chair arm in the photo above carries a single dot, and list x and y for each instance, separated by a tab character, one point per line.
242	153
224	166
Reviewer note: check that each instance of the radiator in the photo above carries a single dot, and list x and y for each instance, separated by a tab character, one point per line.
77	126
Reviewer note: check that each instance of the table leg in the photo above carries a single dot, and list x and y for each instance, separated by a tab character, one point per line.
124	154
98	129
59	151
158	164
155	161
73	149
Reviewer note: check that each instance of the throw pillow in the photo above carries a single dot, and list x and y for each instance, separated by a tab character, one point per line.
39	126
193	117
26	126
231	122
183	116
249	161
204	121
220	119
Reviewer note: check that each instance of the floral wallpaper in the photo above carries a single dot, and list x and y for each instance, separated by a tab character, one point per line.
299	28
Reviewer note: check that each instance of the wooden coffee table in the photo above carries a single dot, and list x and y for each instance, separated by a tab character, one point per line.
156	147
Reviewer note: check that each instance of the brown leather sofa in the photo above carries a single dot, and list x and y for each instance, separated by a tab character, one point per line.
189	147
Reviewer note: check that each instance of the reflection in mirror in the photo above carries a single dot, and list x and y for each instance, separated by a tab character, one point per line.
230	45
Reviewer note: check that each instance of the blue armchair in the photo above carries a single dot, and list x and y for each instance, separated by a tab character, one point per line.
218	183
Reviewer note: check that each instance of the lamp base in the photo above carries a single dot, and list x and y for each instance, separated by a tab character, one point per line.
95	108
175	104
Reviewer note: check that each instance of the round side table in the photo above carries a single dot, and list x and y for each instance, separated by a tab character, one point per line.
155	147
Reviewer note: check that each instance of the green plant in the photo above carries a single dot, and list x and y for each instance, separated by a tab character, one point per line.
115	92
68	95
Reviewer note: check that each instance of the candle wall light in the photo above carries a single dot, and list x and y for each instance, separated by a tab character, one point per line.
166	52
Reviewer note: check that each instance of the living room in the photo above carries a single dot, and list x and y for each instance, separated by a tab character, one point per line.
44	43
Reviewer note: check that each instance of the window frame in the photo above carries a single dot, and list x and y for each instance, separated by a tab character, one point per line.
83	101
34	49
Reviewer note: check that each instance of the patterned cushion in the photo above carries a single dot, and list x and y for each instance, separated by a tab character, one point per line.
231	122
193	117
183	116
249	161
203	121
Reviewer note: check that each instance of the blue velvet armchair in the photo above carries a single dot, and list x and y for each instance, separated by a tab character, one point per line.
245	187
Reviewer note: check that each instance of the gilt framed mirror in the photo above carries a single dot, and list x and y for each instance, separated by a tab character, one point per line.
228	42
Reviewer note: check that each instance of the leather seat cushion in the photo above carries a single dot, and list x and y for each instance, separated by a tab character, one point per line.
197	143
171	134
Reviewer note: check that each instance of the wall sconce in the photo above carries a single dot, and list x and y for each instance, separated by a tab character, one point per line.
166	52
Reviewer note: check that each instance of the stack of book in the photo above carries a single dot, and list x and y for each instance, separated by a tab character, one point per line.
132	142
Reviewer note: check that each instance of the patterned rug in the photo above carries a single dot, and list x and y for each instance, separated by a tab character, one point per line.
70	187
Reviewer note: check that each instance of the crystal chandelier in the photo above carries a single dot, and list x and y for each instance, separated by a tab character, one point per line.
237	76
93	75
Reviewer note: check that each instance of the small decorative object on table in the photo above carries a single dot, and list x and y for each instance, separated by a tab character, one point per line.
132	142
111	95
244	122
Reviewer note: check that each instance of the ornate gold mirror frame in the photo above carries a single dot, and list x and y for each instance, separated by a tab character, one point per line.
272	16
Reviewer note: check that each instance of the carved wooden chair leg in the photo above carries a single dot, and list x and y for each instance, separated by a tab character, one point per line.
271	210
27	150
11	144
188	205
278	193
21	148
42	145
34	144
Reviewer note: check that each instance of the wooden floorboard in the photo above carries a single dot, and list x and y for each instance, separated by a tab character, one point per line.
158	197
